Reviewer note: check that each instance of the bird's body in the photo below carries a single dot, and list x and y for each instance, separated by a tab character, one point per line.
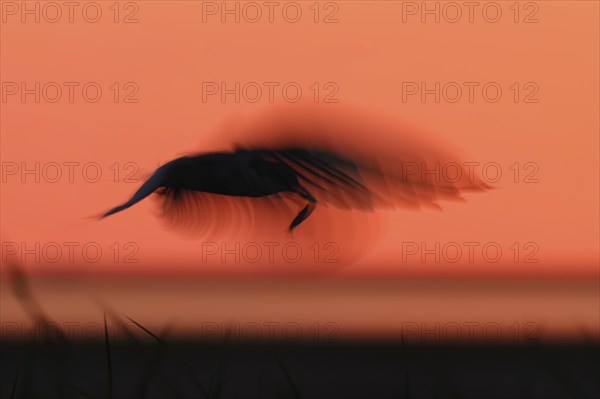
244	173
240	174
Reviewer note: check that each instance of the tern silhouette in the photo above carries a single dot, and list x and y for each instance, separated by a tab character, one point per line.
254	173
306	157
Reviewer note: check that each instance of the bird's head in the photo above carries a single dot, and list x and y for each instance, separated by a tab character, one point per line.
162	177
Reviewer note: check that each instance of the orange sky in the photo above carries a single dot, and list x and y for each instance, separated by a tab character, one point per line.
170	54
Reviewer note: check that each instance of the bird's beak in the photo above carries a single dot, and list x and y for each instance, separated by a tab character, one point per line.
153	183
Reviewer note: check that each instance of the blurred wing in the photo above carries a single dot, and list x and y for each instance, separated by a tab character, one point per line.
396	164
418	183
330	178
367	181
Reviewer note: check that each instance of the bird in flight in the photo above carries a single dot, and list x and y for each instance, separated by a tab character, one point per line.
255	173
297	164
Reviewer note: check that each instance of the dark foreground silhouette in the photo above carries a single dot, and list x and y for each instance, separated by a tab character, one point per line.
340	370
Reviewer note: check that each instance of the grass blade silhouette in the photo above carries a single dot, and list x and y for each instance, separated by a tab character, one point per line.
288	376
406	371
189	368
108	359
13	394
